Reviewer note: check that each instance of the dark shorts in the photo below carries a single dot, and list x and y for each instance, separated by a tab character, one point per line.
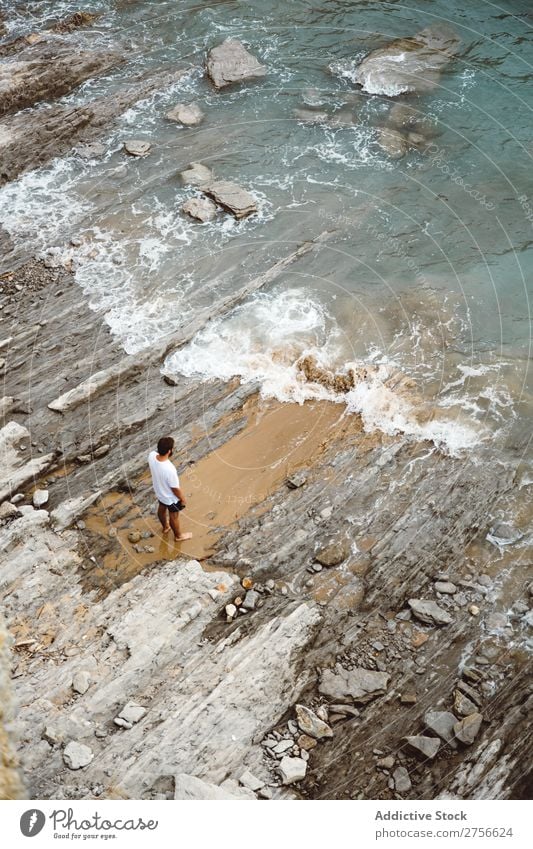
173	508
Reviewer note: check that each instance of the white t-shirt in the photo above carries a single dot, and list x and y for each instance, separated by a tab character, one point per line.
164	477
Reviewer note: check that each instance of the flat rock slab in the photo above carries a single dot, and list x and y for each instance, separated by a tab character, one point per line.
462	705
429	612
196	174
361	685
48	70
442	723
427	747
188	114
408	64
467	729
191	787
231	197
230	63
132	713
202	209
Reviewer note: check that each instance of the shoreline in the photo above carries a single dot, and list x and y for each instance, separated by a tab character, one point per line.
346	571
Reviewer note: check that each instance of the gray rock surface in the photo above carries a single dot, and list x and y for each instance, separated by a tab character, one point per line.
81	681
137	147
202	209
462	705
132	713
189	787
402	782
250	600
231	197
442	723
445	587
292	770
427	747
196	174
467	729
361	685
46	70
77	755
429	612
230	63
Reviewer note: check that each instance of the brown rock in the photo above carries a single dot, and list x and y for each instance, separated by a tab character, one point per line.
305	742
333	554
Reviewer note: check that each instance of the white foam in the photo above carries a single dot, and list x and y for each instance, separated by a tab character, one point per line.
391	412
262	342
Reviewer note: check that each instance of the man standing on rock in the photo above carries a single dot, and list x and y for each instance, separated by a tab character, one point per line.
167	488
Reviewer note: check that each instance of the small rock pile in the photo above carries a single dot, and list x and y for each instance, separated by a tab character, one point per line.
288	747
248	601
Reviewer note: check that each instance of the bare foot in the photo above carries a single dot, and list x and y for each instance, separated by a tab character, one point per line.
166	530
183	537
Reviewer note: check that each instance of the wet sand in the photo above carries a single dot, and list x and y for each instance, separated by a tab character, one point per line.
277	440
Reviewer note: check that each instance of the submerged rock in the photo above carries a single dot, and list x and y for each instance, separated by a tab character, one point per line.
408	64
392	142
230	62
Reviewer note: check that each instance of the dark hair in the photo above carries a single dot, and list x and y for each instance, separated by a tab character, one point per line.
165	444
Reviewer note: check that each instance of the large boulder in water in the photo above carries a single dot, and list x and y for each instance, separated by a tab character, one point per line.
408	64
230	63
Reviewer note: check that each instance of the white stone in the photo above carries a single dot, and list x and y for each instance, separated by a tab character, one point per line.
81	681
132	712
77	755
40	498
292	770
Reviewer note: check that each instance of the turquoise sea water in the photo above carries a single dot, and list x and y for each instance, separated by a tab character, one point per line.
429	268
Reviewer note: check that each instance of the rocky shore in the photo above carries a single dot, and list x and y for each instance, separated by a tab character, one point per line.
334	636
